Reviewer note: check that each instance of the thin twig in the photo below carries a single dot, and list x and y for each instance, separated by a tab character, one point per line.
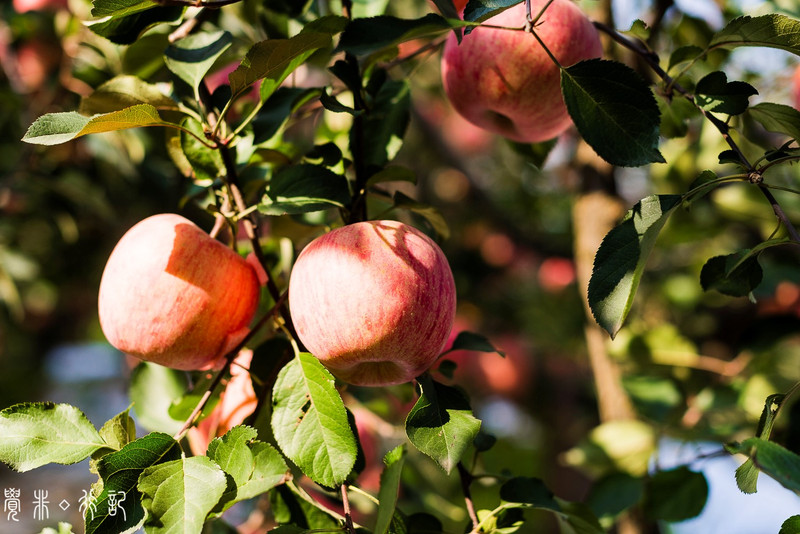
348	518
466	481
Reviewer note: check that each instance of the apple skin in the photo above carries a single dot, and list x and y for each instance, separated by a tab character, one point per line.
373	301
172	295
504	81
795	88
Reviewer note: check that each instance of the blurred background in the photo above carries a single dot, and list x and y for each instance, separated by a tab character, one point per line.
697	366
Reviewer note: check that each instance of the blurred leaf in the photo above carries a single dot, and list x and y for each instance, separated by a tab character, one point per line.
179	494
191	57
446	8
484	441
384	126
277	109
480	10
305	188
428	212
310	423
152	390
716	94
776	461
614	493
273	60
791	525
181	408
773	31
293	507
535	153
36	434
621	258
366	35
117	8
63	528
472	341
683	54
423	523
254	467
389	488
127	29
640	30
735	275
777	118
119	430
117	507
675	495
529	490
329	154
441	423
122	92
655	397
616	446
614	111
393	173
55	128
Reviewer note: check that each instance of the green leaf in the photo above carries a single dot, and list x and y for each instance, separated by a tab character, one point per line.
773	31
127	29
277	109
776	461
56	128
273	60
528	490
122	92
446	8
390	486
206	162
367	35
118	8
614	111
683	54
393	173
480	10
119	430
621	258
747	477
116	506
294	508
472	341
778	118
305	188
253	466
791	525
675	495
716	94
179	494
36	434
614	493
153	389
384	126
63	528
310	423
428	212
735	275
191	58
441	423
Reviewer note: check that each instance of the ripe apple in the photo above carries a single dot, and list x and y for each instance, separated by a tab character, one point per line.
505	82
172	295
373	301
795	88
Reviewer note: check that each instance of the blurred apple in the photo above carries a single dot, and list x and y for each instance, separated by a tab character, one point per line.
374	301
796	88
23	6
172	295
504	81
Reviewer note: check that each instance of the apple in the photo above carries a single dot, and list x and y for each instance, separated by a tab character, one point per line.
795	88
373	301
504	81
172	295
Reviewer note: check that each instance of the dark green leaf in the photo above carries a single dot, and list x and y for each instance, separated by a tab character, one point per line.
614	111
776	461
118	8
310	422
773	31
535	153
484	441
735	275
446	8
390	486
472	341
36	434
654	397
621	259
428	212
305	188
480	10
127	29
422	523
715	93
777	118
329	154
331	104
273	60
367	35
675	495
528	490
122	92
120	472
277	109
614	493
56	128
152	390
206	162
294	508
683	54
447	368
384	126
393	173
191	58
441	423
791	525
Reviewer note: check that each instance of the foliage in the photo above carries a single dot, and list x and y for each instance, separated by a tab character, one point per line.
274	121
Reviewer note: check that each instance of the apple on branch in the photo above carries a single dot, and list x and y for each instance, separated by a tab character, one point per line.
173	295
505	82
373	301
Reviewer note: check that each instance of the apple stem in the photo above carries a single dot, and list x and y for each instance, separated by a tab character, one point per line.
466	481
348	518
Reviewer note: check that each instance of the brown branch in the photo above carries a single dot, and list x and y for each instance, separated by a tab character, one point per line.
348	518
466	481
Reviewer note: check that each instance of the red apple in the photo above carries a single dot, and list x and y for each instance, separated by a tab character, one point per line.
796	88
374	301
504	81
172	295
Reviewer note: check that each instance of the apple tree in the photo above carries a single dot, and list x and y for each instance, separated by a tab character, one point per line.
613	205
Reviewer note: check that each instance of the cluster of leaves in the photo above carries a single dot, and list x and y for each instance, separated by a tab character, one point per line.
236	145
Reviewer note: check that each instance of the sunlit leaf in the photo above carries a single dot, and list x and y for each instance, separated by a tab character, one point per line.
118	8
715	93
390	486
191	58
305	188
127	29
122	92
773	31
735	275
152	390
